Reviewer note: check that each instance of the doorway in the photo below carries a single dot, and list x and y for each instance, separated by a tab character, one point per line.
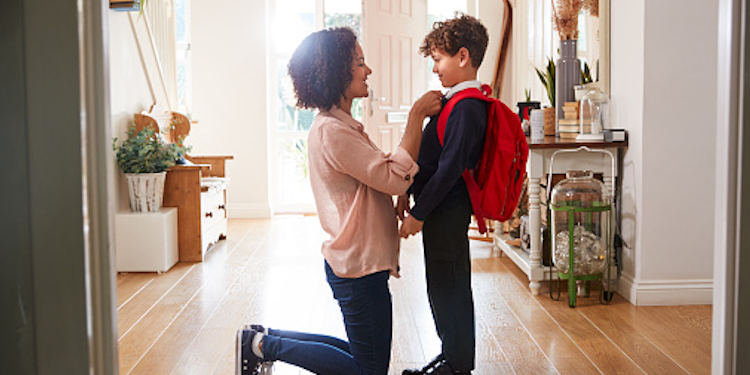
390	33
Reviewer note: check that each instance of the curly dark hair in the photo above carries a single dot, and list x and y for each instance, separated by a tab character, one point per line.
460	31
321	67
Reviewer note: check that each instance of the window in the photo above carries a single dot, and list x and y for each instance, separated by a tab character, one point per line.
346	13
292	21
182	58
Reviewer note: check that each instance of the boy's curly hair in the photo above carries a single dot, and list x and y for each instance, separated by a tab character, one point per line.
321	67
460	31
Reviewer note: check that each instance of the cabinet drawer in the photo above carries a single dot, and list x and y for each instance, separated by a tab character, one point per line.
212	207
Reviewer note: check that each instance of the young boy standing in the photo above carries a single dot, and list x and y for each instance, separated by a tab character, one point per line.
442	209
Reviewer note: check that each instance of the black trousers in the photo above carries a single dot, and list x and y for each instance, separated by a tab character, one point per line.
448	270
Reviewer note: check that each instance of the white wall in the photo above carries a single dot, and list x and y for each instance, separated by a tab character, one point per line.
626	41
128	88
663	90
229	101
229	97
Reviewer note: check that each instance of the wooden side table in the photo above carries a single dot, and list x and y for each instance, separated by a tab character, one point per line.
537	167
199	192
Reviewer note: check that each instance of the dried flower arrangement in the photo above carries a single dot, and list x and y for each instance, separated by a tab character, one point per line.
592	6
565	16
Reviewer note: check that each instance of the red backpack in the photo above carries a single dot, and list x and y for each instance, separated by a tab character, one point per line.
495	183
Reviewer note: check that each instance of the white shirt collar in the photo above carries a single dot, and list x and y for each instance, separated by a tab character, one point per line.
463	86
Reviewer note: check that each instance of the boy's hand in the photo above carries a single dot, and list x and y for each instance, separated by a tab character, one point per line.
402	206
428	104
410	226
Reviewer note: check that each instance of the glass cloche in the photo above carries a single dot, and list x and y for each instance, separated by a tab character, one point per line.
581	216
594	115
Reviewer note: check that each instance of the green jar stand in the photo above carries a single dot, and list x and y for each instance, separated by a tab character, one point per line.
572	208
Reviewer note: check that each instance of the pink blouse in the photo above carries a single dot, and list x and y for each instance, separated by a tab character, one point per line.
353	181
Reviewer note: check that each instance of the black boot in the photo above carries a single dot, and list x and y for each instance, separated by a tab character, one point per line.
427	369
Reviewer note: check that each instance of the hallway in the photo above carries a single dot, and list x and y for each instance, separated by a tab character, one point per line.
271	272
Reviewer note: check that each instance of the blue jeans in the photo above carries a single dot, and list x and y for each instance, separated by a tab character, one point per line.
365	304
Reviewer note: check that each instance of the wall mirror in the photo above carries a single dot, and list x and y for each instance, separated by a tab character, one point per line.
534	40
593	43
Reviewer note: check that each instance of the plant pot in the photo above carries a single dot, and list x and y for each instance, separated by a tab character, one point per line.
549	121
146	191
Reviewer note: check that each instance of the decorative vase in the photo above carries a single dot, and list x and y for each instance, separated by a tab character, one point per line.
146	191
567	75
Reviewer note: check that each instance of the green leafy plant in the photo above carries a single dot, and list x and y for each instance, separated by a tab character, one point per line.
144	152
297	151
527	95
586	74
548	80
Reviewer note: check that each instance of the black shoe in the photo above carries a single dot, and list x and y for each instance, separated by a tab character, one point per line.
428	367
246	362
258	328
444	368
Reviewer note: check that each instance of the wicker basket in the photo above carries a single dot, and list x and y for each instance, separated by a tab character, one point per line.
146	191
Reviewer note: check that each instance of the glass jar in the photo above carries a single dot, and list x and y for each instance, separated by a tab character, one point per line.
593	115
579	206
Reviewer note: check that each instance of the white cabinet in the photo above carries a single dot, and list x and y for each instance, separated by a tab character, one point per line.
146	241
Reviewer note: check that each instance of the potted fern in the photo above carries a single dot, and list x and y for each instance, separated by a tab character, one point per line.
144	158
547	76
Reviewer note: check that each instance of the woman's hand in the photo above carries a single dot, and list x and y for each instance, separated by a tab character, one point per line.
427	105
402	206
410	226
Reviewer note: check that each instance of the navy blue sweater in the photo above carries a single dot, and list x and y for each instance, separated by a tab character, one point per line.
440	167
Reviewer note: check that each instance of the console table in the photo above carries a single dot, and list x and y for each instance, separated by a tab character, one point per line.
537	167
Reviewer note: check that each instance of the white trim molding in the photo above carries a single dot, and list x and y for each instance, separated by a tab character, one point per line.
666	292
248	211
728	194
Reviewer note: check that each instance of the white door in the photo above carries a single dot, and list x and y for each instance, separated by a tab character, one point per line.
393	30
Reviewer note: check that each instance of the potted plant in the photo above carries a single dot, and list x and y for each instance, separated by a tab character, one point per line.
144	158
548	81
524	109
586	82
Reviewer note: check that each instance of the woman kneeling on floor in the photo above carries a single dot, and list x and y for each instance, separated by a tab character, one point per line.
353	182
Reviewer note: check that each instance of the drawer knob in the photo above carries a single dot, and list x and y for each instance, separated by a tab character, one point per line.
222	207
209	214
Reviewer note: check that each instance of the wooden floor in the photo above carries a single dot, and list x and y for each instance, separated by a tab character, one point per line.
271	272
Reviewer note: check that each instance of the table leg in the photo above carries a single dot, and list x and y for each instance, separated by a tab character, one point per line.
535	234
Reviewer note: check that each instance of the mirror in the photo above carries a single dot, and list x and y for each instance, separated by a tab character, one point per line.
593	44
534	41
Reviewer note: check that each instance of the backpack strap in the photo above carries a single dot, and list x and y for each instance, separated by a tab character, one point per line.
457	97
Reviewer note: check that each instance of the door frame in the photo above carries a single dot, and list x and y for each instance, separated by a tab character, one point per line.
98	186
59	293
732	180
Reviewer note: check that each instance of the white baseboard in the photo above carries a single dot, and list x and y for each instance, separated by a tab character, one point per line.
626	288
666	292
248	211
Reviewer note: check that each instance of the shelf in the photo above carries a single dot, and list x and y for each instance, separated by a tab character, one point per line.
518	255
